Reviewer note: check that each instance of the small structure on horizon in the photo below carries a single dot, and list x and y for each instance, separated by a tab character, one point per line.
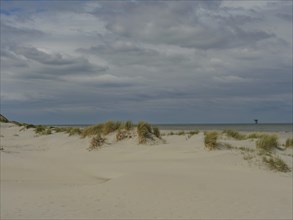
256	121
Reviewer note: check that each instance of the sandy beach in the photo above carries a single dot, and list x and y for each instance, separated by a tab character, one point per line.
55	177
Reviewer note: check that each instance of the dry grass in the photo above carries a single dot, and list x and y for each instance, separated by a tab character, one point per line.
144	131
43	130
234	134
123	134
210	140
3	119
110	126
276	163
105	128
255	135
128	125
157	132
267	143
92	130
289	143
96	142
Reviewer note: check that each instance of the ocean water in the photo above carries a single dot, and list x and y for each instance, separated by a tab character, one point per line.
280	127
238	127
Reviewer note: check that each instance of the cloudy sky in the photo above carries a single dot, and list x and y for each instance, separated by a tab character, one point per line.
164	62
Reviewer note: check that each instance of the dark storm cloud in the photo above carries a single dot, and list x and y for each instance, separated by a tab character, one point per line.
164	61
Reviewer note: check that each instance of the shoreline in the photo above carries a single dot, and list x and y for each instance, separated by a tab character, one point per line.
267	127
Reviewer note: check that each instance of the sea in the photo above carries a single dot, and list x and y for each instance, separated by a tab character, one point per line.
274	127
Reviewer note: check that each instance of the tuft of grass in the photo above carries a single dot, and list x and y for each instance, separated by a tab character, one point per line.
105	128
255	135
43	130
234	134
96	142
276	163
191	133
181	133
58	129
128	125
210	140
144	131
157	132
267	143
73	131
27	126
289	143
40	129
109	127
3	119
92	130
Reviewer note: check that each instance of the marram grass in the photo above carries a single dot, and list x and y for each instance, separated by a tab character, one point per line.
210	140
267	143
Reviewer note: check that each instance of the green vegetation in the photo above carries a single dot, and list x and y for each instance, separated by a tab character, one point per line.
3	119
128	125
289	143
157	132
144	131
210	140
193	132
110	126
255	135
181	133
267	143
73	131
43	130
234	134
106	128
276	163
92	130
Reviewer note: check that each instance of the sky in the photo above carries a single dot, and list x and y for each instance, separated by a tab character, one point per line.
85	62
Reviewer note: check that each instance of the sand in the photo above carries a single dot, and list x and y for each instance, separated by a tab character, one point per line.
56	177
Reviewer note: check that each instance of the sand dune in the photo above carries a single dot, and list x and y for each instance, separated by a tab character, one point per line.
55	177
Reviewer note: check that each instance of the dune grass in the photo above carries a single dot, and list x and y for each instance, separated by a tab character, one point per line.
128	125
144	131
267	143
276	163
96	142
234	134
106	128
289	143
110	126
73	131
92	130
255	135
210	140
43	130
3	119
157	132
